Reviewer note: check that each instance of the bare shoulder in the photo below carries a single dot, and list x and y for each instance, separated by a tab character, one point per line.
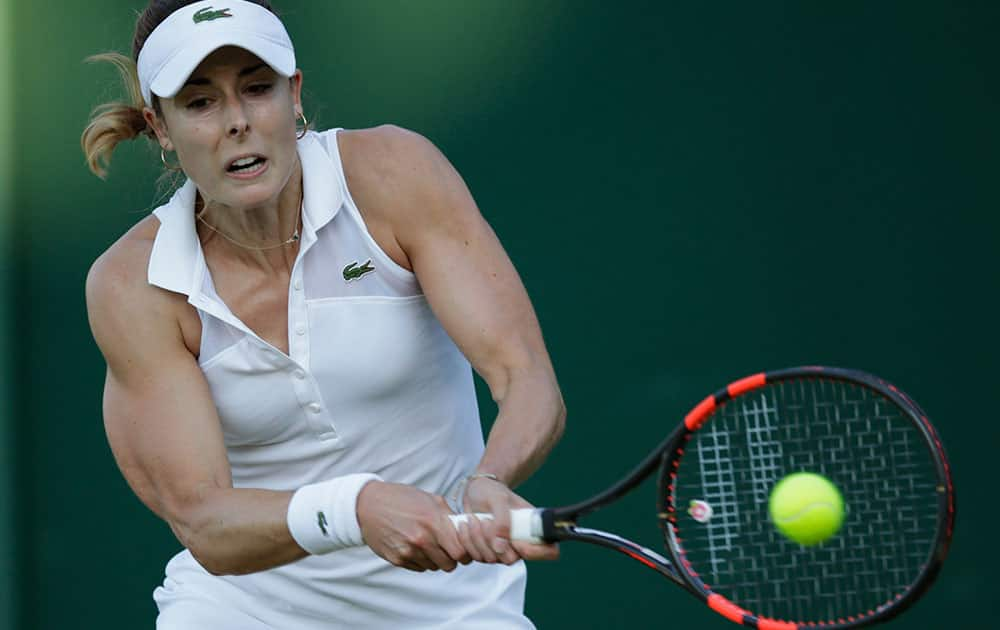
122	306
394	170
386	150
119	274
125	259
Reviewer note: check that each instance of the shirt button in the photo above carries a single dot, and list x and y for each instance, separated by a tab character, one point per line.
298	285
300	374
300	329
314	407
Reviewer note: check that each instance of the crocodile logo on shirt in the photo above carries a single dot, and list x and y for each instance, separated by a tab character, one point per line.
353	271
207	15
321	521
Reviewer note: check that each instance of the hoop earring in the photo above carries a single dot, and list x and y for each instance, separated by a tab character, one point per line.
305	127
169	167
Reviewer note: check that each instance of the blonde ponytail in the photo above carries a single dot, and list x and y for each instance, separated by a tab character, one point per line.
112	123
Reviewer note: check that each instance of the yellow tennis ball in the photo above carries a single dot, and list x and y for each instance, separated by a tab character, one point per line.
806	507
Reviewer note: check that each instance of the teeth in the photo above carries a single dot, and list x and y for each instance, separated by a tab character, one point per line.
247	161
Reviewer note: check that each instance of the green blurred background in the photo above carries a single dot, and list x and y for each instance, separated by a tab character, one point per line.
692	192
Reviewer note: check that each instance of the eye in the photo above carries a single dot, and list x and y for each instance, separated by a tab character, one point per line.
198	103
259	88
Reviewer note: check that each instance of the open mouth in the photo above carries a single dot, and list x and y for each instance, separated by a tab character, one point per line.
247	165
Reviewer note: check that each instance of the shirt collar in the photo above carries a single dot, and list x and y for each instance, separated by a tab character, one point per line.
175	261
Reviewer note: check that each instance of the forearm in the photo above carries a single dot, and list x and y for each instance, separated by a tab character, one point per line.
234	531
237	531
529	424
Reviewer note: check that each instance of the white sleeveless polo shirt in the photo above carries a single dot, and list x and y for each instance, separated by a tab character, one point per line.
371	384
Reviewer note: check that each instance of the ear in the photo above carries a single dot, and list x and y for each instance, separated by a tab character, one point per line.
159	126
295	82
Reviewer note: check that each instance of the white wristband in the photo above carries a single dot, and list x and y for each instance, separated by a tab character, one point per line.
322	517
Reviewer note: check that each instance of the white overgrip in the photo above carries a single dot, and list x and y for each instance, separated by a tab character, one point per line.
525	523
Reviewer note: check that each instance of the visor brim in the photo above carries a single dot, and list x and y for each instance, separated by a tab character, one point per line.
176	72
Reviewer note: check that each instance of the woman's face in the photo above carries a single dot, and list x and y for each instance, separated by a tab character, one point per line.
233	128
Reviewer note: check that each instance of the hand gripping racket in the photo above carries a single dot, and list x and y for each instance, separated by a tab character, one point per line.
716	471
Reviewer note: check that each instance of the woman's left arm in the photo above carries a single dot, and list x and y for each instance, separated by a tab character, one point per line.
476	293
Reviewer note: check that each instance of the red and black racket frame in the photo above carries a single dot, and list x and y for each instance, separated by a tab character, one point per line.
560	524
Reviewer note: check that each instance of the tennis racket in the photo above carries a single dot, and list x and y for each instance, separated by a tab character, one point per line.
716	471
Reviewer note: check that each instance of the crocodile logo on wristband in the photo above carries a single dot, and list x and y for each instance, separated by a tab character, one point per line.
321	521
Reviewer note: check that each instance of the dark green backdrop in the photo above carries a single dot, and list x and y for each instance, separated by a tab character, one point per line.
691	194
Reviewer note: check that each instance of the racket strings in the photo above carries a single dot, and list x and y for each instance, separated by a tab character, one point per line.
861	441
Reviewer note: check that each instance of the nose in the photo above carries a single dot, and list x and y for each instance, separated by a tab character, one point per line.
239	122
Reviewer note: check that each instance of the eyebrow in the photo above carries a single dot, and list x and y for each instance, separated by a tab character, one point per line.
244	72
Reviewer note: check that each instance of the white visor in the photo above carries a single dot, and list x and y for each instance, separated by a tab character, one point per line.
176	47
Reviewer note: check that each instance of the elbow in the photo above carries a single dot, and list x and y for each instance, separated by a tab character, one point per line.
196	540
552	399
208	563
555	415
559	422
211	563
207	555
198	532
215	548
218	568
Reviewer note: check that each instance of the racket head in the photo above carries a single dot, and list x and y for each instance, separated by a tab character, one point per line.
856	429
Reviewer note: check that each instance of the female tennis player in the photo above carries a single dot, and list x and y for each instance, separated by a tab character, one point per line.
289	341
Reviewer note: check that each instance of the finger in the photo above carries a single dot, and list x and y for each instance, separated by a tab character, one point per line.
412	567
465	537
440	558
413	558
531	551
421	559
500	509
408	559
506	553
510	554
499	529
480	539
496	544
448	539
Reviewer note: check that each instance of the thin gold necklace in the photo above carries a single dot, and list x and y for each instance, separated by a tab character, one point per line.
291	239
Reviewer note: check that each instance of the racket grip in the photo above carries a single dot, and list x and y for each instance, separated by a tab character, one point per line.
525	523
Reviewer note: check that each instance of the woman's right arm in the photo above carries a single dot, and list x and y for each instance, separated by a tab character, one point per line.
166	437
162	426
